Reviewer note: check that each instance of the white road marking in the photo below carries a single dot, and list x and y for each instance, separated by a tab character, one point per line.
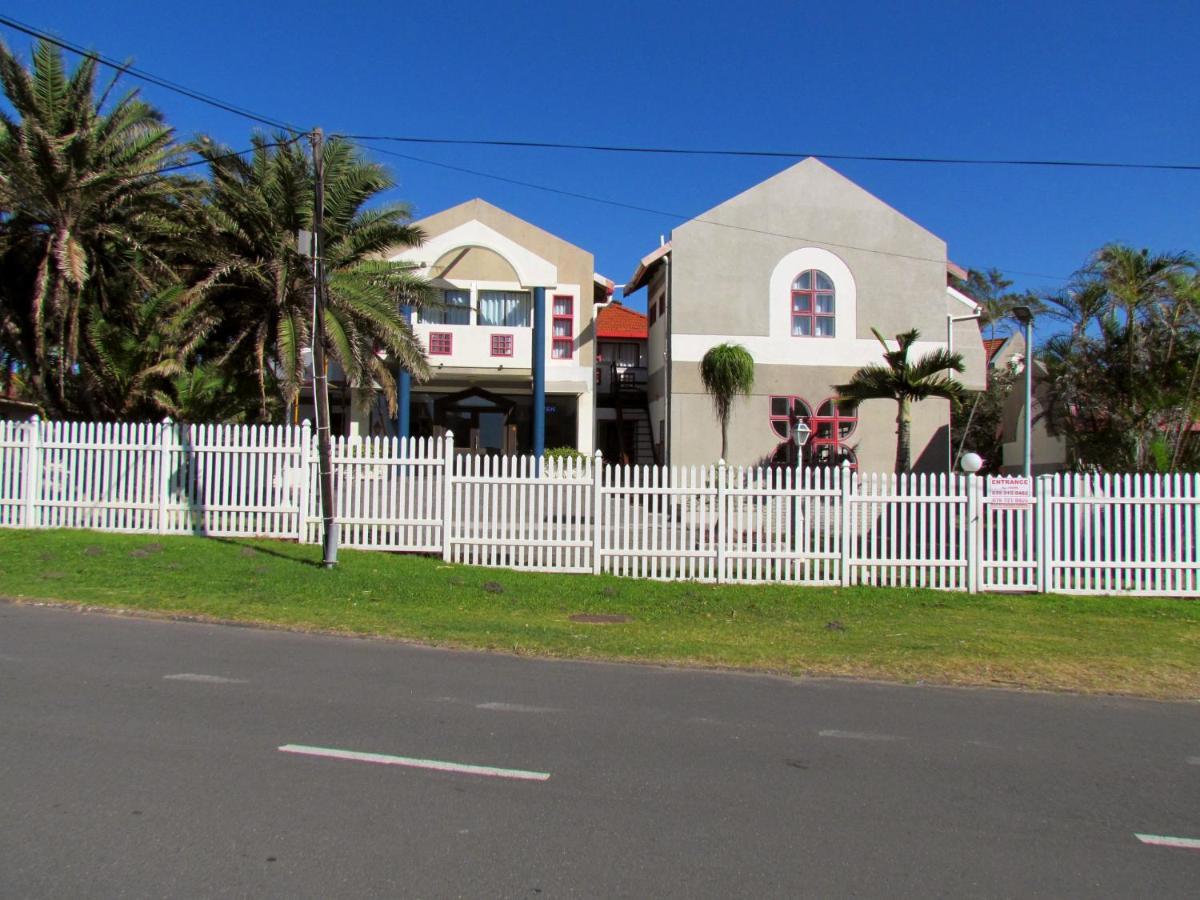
435	764
858	735
1194	760
515	707
1162	840
204	679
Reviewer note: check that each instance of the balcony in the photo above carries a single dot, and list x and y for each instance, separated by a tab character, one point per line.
612	378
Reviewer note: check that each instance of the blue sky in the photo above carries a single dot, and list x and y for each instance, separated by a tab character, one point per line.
1096	80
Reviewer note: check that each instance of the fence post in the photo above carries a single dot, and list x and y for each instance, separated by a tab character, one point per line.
846	477
974	527
597	506
1042	546
447	496
721	529
164	475
33	472
305	478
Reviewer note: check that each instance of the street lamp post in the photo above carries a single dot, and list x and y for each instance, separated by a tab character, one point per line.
800	434
1024	315
950	320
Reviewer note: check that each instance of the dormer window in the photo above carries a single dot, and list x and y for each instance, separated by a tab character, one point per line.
813	304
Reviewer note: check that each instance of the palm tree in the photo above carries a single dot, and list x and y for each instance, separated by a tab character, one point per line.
727	370
259	284
991	290
905	382
1124	377
83	203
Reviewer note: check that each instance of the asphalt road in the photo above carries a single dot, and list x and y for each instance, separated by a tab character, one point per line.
118	777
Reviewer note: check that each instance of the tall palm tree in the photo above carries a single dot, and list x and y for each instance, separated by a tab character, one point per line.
727	371
906	382
1124	377
991	289
83	202
259	283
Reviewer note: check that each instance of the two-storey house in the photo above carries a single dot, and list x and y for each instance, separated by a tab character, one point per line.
799	269
510	340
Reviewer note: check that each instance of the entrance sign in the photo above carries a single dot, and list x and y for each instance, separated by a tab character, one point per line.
1010	492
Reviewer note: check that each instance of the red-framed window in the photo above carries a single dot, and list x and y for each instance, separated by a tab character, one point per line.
502	345
441	343
813	304
563	327
785	413
831	427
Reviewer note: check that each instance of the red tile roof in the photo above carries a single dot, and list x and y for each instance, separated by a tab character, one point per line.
991	346
619	321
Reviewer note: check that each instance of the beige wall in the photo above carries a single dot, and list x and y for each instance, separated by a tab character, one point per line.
721	273
696	434
474	264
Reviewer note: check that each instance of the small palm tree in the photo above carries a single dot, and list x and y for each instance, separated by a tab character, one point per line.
905	382
727	370
127	362
259	284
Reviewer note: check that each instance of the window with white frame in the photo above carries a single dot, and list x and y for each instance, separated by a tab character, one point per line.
508	309
813	304
454	309
563	326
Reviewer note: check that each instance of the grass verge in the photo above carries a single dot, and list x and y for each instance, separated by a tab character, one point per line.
1136	646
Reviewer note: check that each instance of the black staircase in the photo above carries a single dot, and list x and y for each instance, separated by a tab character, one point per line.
633	410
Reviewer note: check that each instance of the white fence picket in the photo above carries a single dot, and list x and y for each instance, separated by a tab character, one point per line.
1097	533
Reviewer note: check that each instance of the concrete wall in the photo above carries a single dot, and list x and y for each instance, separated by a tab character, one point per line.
697	434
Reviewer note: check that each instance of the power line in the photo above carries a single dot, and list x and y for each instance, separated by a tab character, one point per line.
213	159
148	77
780	154
685	218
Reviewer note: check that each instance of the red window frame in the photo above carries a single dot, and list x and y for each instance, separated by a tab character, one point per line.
502	345
441	343
804	304
562	347
831	425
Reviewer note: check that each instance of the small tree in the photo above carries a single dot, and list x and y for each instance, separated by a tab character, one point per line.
904	382
727	370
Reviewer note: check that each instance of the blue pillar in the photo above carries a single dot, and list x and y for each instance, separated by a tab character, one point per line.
539	371
403	389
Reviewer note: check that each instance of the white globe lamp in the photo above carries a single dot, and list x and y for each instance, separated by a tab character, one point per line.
971	463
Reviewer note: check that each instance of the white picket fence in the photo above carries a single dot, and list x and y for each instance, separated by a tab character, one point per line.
1081	534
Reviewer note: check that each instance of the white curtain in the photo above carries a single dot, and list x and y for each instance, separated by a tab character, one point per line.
506	308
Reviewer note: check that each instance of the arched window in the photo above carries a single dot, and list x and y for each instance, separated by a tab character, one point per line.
813	304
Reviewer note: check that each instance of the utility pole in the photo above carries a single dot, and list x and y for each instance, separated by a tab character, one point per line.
1024	315
329	529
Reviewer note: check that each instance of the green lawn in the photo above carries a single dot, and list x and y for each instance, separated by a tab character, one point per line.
1095	644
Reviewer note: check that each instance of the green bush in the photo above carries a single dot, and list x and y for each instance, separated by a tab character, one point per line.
563	453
